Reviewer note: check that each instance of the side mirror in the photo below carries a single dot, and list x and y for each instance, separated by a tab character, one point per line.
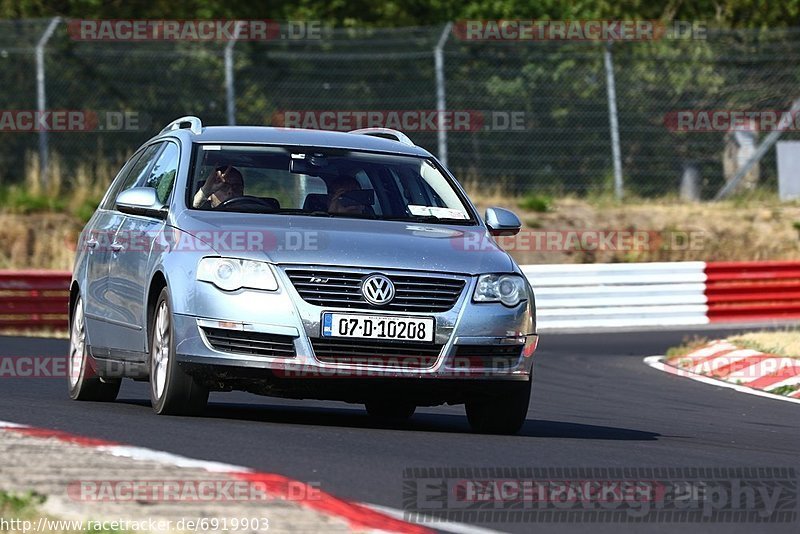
141	201
502	222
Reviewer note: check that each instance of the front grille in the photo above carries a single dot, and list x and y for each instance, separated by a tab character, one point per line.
413	293
378	353
253	343
487	356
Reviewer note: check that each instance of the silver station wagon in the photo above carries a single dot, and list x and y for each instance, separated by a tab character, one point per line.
295	263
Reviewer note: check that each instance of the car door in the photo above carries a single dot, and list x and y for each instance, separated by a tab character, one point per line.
130	263
112	321
96	244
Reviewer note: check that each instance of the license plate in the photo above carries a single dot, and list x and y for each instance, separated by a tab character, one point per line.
378	326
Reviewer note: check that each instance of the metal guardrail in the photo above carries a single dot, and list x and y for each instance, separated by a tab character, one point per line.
34	300
753	291
619	295
567	296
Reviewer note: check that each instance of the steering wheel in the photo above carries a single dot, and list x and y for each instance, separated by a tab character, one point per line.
248	203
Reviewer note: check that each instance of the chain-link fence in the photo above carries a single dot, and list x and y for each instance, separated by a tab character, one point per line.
539	110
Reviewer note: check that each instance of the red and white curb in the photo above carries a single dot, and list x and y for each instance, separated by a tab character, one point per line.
360	517
748	371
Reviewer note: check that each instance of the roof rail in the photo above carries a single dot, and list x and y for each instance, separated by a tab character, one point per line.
193	123
384	133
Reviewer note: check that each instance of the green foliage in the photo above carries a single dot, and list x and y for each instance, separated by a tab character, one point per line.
15	199
537	203
86	209
784	390
723	13
15	503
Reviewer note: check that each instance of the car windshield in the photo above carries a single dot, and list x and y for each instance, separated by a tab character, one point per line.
323	182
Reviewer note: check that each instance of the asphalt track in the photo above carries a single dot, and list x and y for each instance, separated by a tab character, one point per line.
595	404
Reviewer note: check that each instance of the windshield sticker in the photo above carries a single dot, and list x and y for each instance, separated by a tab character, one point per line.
435	211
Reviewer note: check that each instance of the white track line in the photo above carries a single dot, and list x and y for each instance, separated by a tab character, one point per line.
167	458
433	522
6	424
657	362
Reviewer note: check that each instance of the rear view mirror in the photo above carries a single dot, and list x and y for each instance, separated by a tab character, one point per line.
302	166
502	222
310	165
141	201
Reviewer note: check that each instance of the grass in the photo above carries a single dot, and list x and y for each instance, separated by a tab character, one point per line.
777	342
15	503
537	203
784	390
688	345
76	192
780	343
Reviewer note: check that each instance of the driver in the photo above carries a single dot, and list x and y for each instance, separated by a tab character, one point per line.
222	184
337	202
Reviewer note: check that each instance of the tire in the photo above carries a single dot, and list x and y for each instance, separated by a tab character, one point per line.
396	410
82	379
172	391
500	414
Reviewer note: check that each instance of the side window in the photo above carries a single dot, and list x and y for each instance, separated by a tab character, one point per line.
162	177
133	176
119	181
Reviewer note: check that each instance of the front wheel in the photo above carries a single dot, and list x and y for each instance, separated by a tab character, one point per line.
501	413
172	391
82	379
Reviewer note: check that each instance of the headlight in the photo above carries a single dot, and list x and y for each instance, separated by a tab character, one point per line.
231	274
509	289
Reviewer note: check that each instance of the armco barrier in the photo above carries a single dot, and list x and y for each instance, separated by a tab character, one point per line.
631	295
619	294
34	299
753	291
664	294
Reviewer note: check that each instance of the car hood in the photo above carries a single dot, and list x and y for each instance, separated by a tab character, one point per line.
286	239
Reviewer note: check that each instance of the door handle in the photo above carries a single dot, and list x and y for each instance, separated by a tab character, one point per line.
116	247
92	243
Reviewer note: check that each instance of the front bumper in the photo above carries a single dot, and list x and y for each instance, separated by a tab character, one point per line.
461	332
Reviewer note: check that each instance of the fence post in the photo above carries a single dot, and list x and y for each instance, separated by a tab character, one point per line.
787	120
613	120
441	95
230	94
41	100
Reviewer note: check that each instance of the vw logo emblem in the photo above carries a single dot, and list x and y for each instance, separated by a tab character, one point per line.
377	289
